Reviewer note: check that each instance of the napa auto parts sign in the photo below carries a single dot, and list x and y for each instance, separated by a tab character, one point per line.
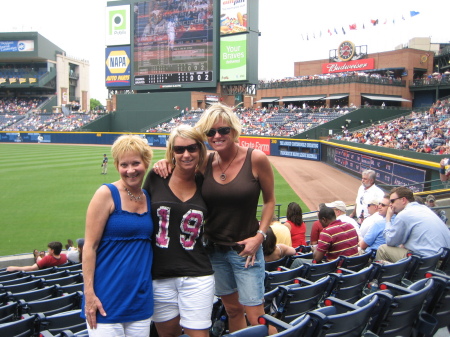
339	67
117	69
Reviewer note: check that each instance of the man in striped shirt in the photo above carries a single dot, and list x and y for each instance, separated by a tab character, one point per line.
337	238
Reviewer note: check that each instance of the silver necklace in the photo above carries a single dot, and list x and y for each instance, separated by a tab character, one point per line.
223	176
132	196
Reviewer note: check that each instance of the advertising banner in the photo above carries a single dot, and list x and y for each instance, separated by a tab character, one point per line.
16	46
118	26
262	144
339	67
233	58
117	69
233	17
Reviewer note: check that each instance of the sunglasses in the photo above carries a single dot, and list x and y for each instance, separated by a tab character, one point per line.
222	131
181	149
381	204
392	200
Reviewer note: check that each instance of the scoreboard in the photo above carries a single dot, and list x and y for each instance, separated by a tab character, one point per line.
387	172
173	44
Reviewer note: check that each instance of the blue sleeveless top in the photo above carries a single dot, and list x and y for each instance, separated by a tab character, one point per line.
122	278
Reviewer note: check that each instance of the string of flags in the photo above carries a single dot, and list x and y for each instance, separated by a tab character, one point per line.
355	26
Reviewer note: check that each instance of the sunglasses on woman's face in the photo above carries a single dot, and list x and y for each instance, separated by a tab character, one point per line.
181	149
222	131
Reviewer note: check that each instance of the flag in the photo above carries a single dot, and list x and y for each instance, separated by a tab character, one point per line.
335	31
414	13
403	17
302	37
343	31
329	32
364	26
353	26
314	35
374	22
385	21
307	37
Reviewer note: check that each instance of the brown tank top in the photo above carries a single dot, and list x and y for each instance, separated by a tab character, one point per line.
232	206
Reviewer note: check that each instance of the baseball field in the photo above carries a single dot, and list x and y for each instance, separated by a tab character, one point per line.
46	189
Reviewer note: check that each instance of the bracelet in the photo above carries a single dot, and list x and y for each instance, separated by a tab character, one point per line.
442	171
262	233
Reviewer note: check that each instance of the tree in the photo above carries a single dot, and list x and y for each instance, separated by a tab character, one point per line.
96	105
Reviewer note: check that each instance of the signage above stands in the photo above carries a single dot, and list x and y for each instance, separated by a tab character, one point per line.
339	67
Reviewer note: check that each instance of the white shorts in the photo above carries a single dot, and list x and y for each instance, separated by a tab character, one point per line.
191	298
130	329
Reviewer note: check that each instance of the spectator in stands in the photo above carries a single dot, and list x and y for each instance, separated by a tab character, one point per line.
444	172
273	250
69	244
415	229
281	232
374	216
180	260
234	178
117	252
54	258
337	238
431	202
295	224
367	191
75	254
316	228
340	210
374	238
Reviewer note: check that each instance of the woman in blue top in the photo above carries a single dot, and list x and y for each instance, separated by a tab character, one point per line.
117	253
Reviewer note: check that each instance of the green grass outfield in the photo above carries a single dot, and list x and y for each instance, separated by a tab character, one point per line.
46	188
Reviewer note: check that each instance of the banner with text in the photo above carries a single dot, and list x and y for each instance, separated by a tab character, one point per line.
339	67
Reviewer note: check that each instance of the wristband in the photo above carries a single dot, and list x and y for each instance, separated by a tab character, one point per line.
442	171
262	233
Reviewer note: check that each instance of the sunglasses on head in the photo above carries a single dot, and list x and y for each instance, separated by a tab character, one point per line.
222	131
190	148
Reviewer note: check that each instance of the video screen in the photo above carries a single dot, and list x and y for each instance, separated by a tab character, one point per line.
173	42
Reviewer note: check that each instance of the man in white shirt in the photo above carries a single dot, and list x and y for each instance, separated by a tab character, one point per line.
367	191
340	209
373	216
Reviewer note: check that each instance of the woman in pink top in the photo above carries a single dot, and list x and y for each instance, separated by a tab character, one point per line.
295	224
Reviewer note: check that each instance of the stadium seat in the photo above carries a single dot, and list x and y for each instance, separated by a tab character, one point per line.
297	328
392	272
444	266
26	327
19	280
51	306
341	318
269	297
296	299
11	276
315	271
284	276
56	274
419	266
70	267
35	295
355	263
71	288
68	320
349	285
63	281
8	312
439	304
40	272
399	315
21	287
273	265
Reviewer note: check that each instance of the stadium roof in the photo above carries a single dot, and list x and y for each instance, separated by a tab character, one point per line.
386	98
301	98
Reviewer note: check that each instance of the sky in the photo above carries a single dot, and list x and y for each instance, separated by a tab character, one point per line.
291	30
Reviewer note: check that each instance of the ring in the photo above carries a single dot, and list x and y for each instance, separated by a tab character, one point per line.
156	166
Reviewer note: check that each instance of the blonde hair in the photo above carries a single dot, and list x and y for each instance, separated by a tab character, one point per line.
131	143
216	112
187	132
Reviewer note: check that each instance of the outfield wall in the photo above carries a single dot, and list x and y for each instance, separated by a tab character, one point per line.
393	167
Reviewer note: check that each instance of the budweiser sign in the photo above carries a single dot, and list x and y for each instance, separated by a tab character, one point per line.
339	67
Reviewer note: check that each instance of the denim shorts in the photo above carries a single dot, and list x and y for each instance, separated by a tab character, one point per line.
231	275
